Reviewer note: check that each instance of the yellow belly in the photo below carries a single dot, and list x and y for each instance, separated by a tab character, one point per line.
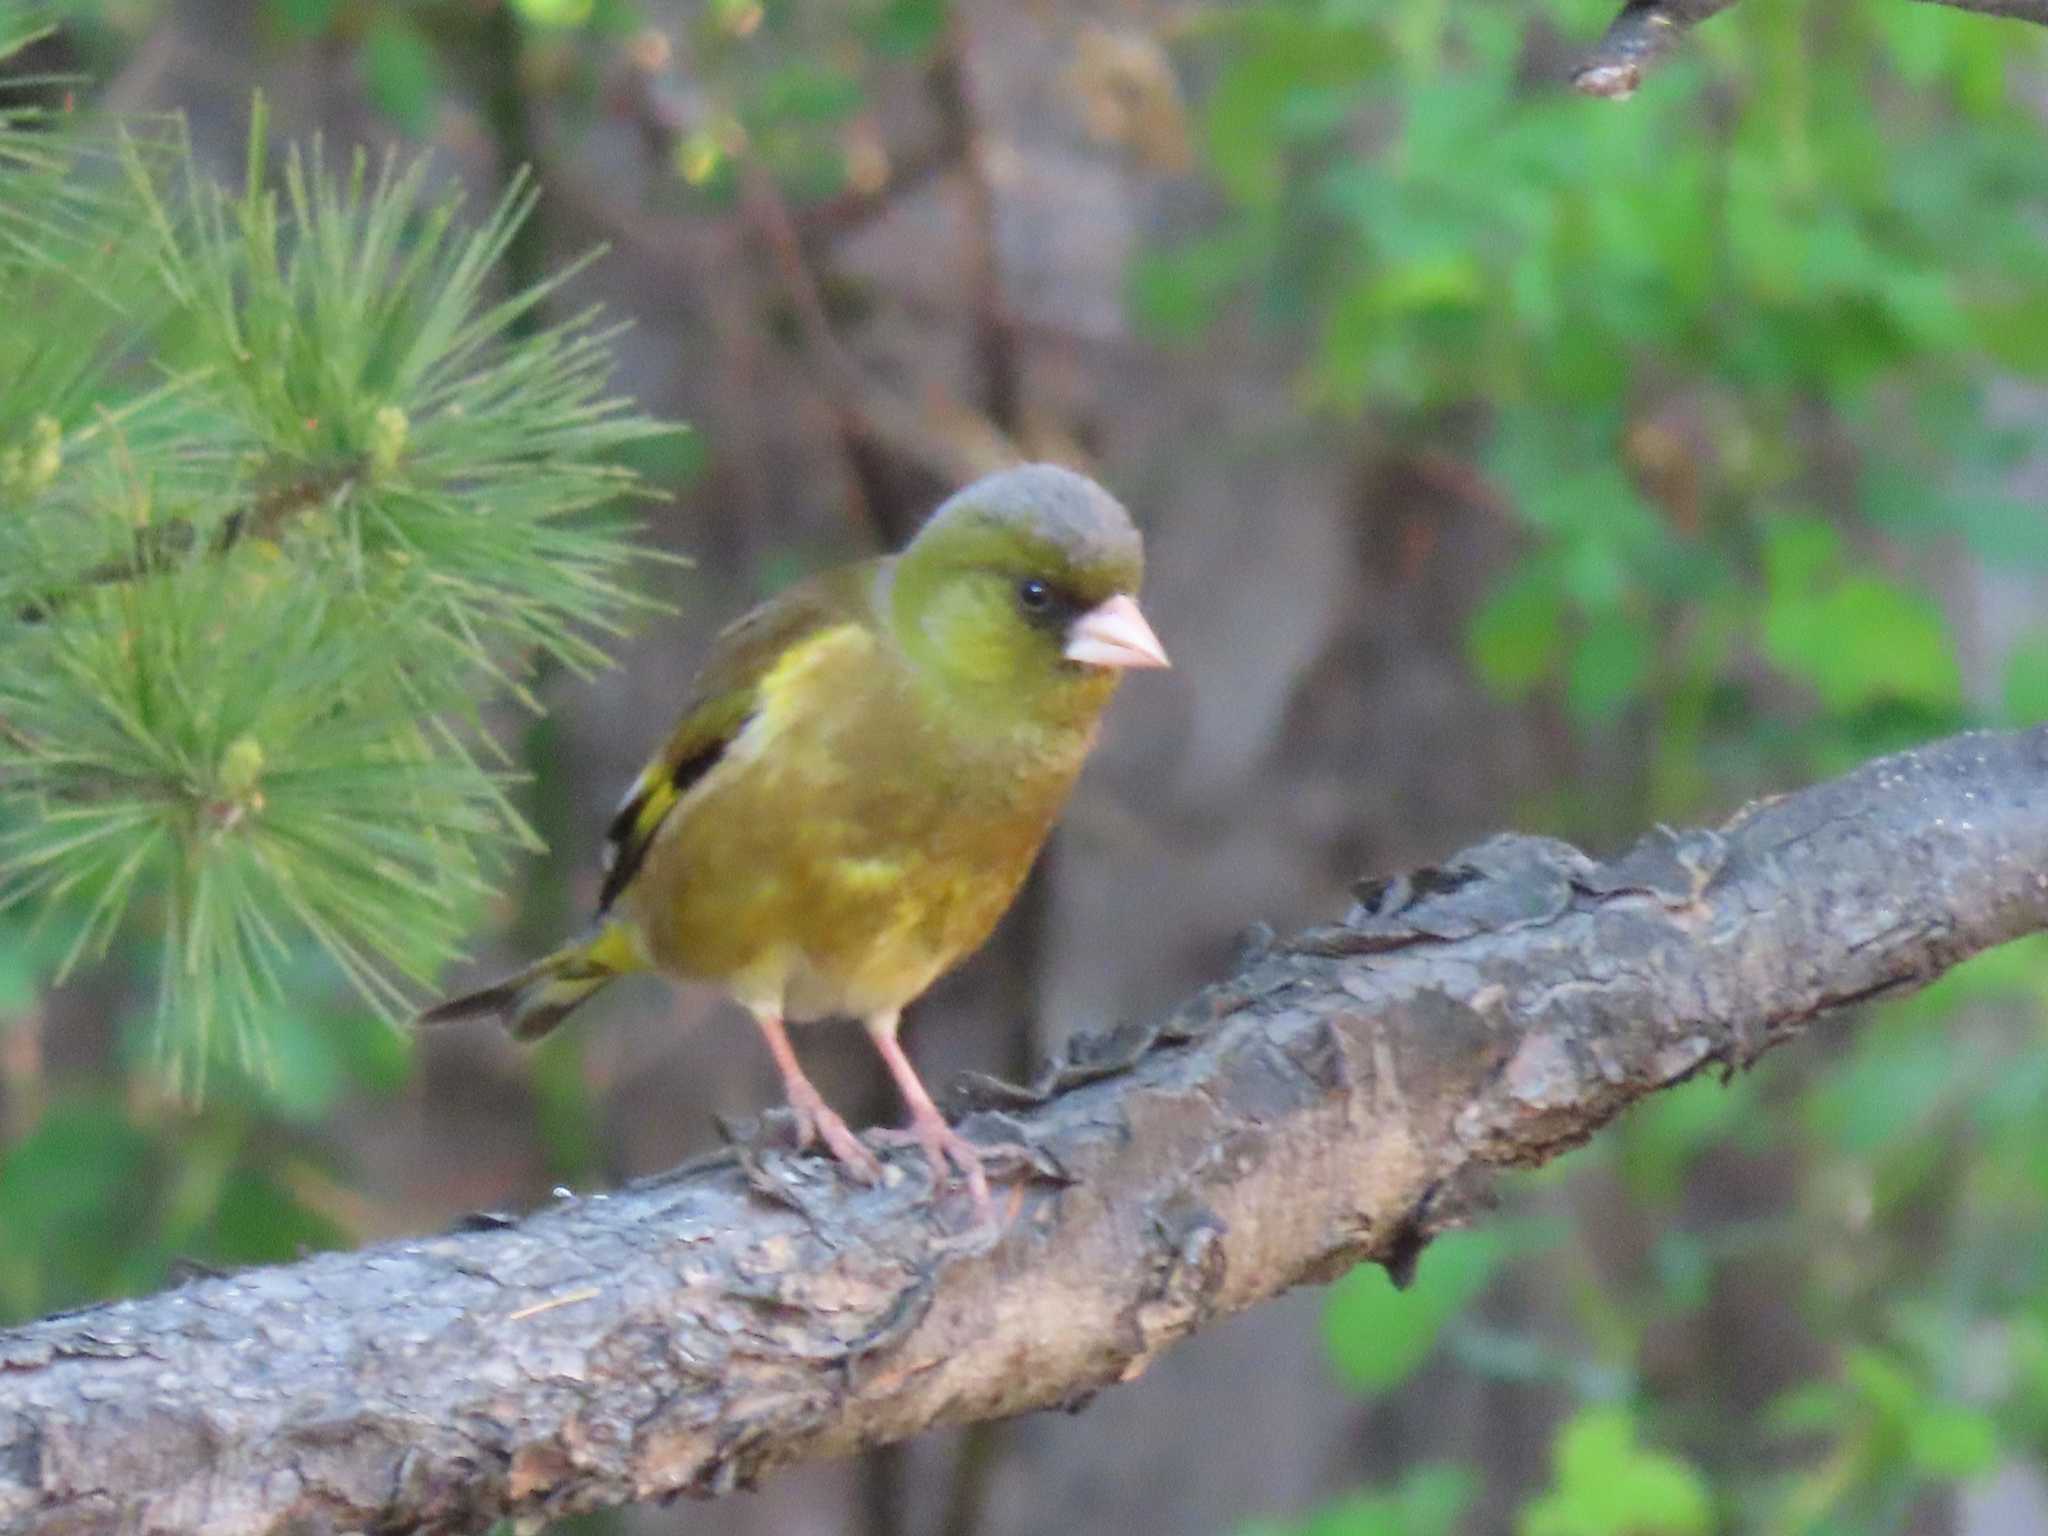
846	853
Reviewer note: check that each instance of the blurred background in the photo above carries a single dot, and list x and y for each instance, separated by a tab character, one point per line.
1506	458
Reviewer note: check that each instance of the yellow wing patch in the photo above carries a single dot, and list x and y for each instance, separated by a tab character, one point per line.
749	719
803	680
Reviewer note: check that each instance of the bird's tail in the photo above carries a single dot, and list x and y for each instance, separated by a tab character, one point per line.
531	1002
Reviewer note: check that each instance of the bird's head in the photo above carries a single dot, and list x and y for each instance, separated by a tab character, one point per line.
1022	592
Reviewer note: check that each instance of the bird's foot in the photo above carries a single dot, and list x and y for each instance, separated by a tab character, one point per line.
817	1121
946	1150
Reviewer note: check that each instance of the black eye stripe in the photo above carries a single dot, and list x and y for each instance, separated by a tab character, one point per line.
1046	605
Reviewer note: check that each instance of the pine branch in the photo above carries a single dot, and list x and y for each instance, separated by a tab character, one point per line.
158	547
309	481
1344	1097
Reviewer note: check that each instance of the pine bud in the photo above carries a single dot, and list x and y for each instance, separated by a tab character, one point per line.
388	432
30	468
240	767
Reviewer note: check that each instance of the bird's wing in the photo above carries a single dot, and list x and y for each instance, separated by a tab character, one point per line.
726	694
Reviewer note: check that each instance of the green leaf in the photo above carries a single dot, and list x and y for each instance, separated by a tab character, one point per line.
400	72
555	14
259	1221
1664	1134
74	1200
1798	553
1916	40
1882	1385
1813	1407
1283	71
23	968
1174	294
1430	1501
303	1073
305	18
1516	638
1371	325
1896	1078
1865	640
2013	331
807	92
2001	530
1856	640
907	29
1953	1443
2026	681
566	1111
81	1160
1606	1485
1609	665
1378	1336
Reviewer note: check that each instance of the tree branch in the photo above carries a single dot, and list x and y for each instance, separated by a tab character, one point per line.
2035	11
974	445
1647	30
156	547
1637	41
1345	1096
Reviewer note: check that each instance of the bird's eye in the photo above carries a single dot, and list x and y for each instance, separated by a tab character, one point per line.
1035	595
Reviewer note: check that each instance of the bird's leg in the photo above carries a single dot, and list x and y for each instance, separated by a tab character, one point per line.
944	1147
815	1119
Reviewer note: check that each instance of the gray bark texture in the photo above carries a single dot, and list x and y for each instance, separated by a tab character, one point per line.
1345	1096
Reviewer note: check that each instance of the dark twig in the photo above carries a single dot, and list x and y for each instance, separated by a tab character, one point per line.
907	428
1345	1096
2035	11
159	546
995	347
974	1470
1647	30
1637	41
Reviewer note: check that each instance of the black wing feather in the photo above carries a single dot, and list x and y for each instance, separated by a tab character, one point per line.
632	831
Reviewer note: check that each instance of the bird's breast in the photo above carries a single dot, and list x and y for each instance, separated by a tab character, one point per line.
852	846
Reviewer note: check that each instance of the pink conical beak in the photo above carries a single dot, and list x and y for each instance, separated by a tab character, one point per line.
1115	634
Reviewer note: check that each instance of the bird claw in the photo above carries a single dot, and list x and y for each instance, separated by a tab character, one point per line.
947	1151
817	1121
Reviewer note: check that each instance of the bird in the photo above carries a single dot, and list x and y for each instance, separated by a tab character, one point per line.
866	770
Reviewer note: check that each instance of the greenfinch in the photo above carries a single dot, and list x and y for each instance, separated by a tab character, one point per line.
868	766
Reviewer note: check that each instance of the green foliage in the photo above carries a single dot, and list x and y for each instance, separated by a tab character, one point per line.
79	1175
1856	640
264	594
1429	1501
400	71
1516	639
105	1193
1608	1485
1670	314
1893	1436
789	89
1724	359
1379	1336
2026	682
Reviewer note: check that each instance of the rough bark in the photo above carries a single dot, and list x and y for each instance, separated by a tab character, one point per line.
1345	1096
